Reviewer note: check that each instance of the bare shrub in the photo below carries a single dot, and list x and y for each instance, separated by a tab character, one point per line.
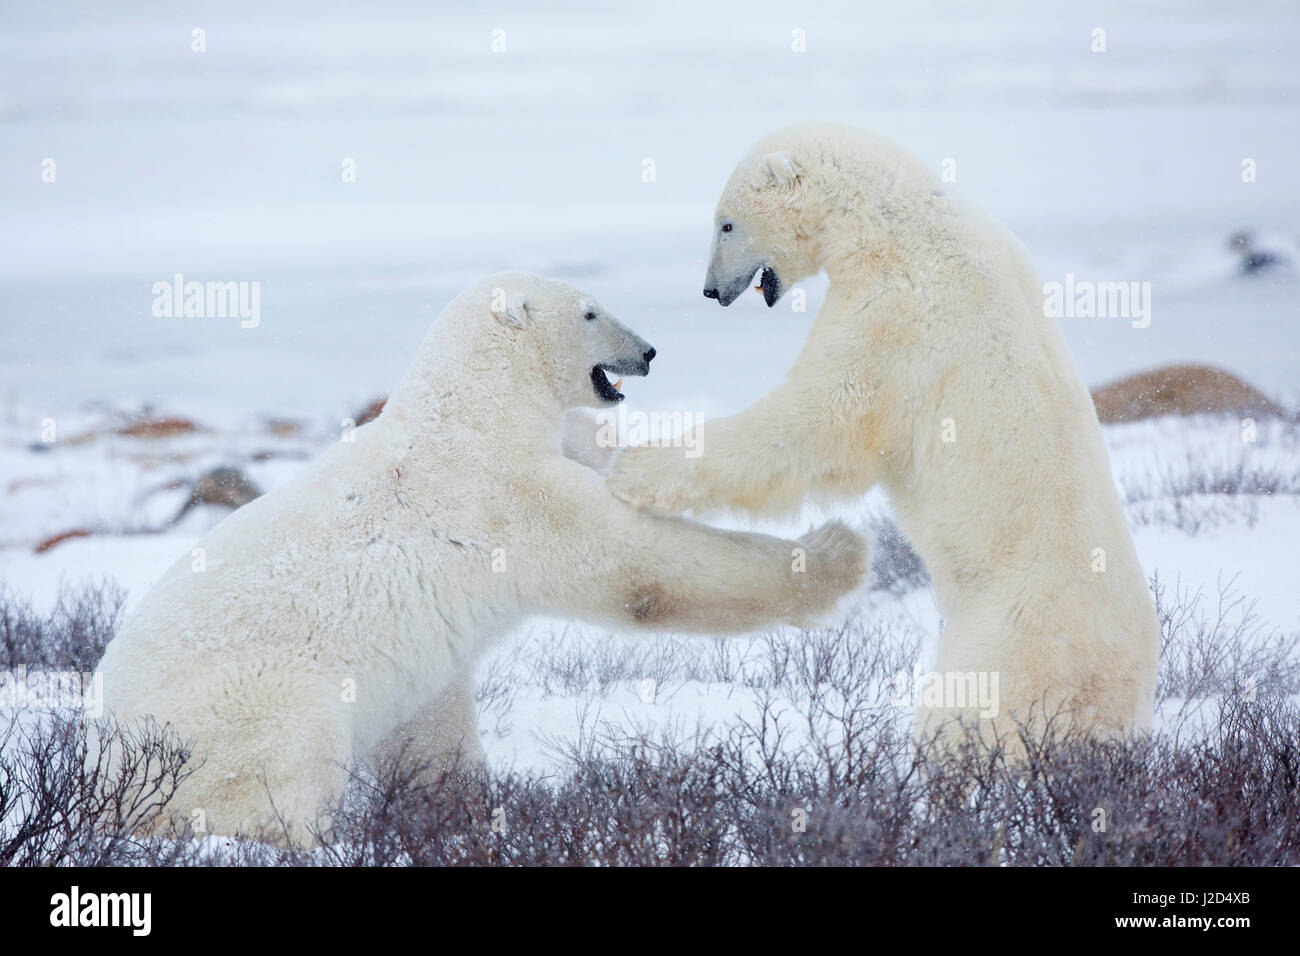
818	767
72	636
1217	647
1211	487
72	795
1074	801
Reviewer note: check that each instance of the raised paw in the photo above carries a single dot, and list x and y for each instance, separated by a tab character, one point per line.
836	563
651	479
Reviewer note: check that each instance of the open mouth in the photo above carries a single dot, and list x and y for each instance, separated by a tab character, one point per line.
606	390
770	285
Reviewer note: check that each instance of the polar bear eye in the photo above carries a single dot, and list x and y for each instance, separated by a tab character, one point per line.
726	227
590	316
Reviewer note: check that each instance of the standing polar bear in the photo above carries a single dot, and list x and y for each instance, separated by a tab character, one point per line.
342	615
932	370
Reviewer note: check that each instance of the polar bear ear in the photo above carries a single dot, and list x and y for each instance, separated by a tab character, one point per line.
779	169
510	308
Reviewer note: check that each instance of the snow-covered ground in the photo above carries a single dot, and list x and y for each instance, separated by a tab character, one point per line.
226	165
1212	516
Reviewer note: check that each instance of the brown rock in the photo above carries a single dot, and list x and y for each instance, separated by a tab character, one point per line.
1182	390
220	486
158	428
283	427
371	411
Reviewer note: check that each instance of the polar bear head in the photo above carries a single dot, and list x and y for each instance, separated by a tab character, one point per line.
798	195
574	342
517	338
747	237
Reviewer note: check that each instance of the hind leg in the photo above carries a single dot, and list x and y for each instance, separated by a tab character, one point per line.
270	766
443	733
974	692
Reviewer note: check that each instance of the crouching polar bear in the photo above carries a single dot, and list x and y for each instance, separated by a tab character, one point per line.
342	615
931	369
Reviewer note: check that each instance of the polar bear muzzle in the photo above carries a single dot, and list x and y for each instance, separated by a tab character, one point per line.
769	284
612	392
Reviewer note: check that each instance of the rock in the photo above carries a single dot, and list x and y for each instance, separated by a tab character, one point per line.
370	412
164	427
267	454
228	487
283	427
1182	390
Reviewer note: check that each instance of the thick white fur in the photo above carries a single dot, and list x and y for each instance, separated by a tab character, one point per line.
934	312
375	570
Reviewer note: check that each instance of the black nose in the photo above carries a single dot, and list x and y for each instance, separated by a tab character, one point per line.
649	355
710	293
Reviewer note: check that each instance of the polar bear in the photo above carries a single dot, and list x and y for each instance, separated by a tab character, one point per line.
342	615
932	370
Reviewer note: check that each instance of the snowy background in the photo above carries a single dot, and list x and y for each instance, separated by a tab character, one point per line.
226	165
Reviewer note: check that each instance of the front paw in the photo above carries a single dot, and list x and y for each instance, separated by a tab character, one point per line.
651	479
836	564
